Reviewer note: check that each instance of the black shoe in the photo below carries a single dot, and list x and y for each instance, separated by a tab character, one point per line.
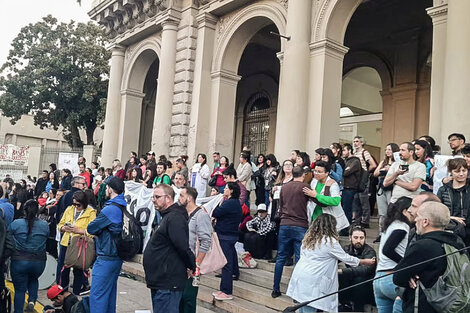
377	240
275	293
289	262
364	225
273	260
218	275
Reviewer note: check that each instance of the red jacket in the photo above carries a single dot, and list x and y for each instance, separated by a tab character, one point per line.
87	177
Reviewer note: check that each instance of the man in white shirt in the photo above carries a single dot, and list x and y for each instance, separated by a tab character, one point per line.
406	175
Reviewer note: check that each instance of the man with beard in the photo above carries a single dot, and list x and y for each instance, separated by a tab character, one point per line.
167	257
356	298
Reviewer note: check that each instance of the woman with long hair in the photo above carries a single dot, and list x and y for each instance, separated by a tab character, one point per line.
228	216
200	174
270	174
135	174
66	183
52	183
258	178
29	259
337	150
316	273
384	194
435	148
150	174
223	164
303	160
244	170
18	198
392	249
74	222
336	171
425	155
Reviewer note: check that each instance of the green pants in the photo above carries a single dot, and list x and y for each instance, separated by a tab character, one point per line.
189	298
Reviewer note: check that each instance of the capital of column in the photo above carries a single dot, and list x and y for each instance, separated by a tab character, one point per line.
117	50
208	20
438	13
226	76
329	47
280	56
132	93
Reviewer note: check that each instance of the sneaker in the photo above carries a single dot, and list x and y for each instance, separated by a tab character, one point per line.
215	293
85	291
222	296
273	260
29	307
275	293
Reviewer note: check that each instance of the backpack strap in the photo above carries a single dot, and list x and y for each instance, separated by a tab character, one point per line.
193	213
126	213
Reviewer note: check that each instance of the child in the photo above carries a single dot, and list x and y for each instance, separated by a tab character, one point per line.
43	198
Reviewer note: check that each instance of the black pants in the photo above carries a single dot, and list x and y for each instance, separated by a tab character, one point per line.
360	295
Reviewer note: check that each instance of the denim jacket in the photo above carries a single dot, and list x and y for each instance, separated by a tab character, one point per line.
29	246
107	227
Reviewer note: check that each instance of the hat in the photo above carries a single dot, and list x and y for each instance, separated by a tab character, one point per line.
262	207
54	291
116	184
151	153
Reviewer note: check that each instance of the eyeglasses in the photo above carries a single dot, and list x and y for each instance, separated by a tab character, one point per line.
452	140
75	204
156	197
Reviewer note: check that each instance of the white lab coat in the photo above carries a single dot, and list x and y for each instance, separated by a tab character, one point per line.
199	177
337	211
316	274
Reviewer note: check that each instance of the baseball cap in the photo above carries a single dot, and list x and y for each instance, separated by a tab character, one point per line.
116	184
150	153
54	291
261	207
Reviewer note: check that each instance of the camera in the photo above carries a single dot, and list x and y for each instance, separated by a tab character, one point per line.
404	167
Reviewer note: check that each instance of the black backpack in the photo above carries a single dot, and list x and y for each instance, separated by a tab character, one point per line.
130	240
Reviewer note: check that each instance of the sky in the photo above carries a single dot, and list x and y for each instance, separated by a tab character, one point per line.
18	13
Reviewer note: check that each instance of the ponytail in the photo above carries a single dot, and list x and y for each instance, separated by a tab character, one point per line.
31	208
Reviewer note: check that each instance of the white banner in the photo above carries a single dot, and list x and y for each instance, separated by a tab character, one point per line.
440	162
14	155
69	161
139	204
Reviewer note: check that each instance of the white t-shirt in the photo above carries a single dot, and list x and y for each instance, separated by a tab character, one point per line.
415	170
384	262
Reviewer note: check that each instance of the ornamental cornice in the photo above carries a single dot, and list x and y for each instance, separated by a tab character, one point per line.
122	15
226	76
437	11
132	93
328	46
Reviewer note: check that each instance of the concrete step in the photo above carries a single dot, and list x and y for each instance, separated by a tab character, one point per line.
262	278
269	267
237	305
250	292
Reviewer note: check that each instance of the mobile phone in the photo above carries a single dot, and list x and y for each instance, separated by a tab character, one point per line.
68	224
404	167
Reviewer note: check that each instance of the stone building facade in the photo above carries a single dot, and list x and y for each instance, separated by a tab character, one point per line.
191	76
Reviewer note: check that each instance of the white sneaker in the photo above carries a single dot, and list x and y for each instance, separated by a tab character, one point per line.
222	296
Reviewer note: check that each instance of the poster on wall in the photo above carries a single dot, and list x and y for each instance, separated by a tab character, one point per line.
70	161
16	175
14	155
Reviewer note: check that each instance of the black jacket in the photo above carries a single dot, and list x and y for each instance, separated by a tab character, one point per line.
362	271
426	247
352	173
64	202
167	255
40	186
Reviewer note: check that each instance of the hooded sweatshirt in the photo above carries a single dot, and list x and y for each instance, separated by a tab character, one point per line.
107	227
427	246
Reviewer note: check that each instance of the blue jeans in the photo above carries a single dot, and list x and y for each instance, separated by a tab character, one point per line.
231	268
104	285
166	301
290	240
347	198
385	295
266	198
25	276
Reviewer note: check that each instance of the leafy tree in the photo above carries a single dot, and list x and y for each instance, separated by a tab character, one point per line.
58	72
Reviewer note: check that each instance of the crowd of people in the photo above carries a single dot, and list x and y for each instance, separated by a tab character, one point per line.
301	208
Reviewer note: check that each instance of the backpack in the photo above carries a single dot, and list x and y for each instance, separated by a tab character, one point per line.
130	240
451	292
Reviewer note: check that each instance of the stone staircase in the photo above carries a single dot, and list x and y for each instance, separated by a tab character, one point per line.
252	292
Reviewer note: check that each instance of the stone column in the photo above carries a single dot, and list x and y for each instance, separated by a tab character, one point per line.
294	81
113	107
455	115
165	89
222	111
439	34
201	97
88	153
131	113
326	79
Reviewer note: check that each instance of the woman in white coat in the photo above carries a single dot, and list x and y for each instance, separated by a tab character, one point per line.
316	273
326	196
200	174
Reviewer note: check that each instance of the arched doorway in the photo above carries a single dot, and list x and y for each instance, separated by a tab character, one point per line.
361	107
139	89
148	108
257	93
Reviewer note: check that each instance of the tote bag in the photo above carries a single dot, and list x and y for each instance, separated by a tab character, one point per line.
80	253
215	258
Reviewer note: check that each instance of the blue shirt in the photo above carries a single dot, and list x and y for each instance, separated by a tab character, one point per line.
35	242
8	210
